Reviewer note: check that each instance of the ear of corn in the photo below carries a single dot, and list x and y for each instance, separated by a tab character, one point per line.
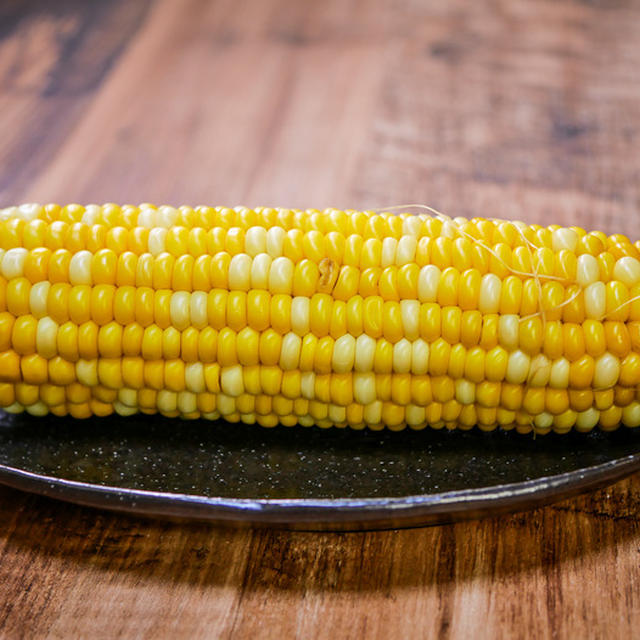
317	317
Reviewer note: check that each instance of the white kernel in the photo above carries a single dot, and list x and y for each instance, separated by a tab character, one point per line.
16	407
92	215
290	351
30	210
415	415
275	241
631	414
607	371
146	218
123	410
13	262
490	289
564	239
428	283
337	414
306	421
166	216
260	269
411	225
509	331
255	241
587	271
308	385
540	371
225	404
38	298
543	420
373	412
559	375
419	357
9	212
58	227
518	367
157	240
402	356
240	272
627	271
389	249
344	353
587	420
449	229
194	377
364	387
198	308
187	402
300	317
595	300
95	210
128	397
87	372
232	381
365	353
465	391
281	276
410	311
167	401
406	251
37	409
179	309
46	337
80	268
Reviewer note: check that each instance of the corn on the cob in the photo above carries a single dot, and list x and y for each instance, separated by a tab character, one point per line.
329	318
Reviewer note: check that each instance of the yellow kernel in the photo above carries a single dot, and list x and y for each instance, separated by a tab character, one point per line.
34	369
61	372
451	320
439	354
496	364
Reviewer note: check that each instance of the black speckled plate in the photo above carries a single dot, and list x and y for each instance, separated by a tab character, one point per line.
303	477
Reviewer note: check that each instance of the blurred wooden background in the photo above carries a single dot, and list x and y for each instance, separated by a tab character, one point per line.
515	109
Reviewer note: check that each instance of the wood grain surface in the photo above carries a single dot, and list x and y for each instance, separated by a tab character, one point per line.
528	110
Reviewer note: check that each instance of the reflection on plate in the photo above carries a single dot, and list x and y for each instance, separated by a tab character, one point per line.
303	477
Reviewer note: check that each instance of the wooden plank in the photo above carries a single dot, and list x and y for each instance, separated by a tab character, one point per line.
72	571
53	57
527	109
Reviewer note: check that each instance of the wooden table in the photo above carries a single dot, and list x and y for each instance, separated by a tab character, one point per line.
506	109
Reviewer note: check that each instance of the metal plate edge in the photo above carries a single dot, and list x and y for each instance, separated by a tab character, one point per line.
328	513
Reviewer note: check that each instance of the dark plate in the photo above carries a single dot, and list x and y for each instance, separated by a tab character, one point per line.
303	477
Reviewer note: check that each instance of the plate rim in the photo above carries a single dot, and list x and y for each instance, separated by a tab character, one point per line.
327	513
